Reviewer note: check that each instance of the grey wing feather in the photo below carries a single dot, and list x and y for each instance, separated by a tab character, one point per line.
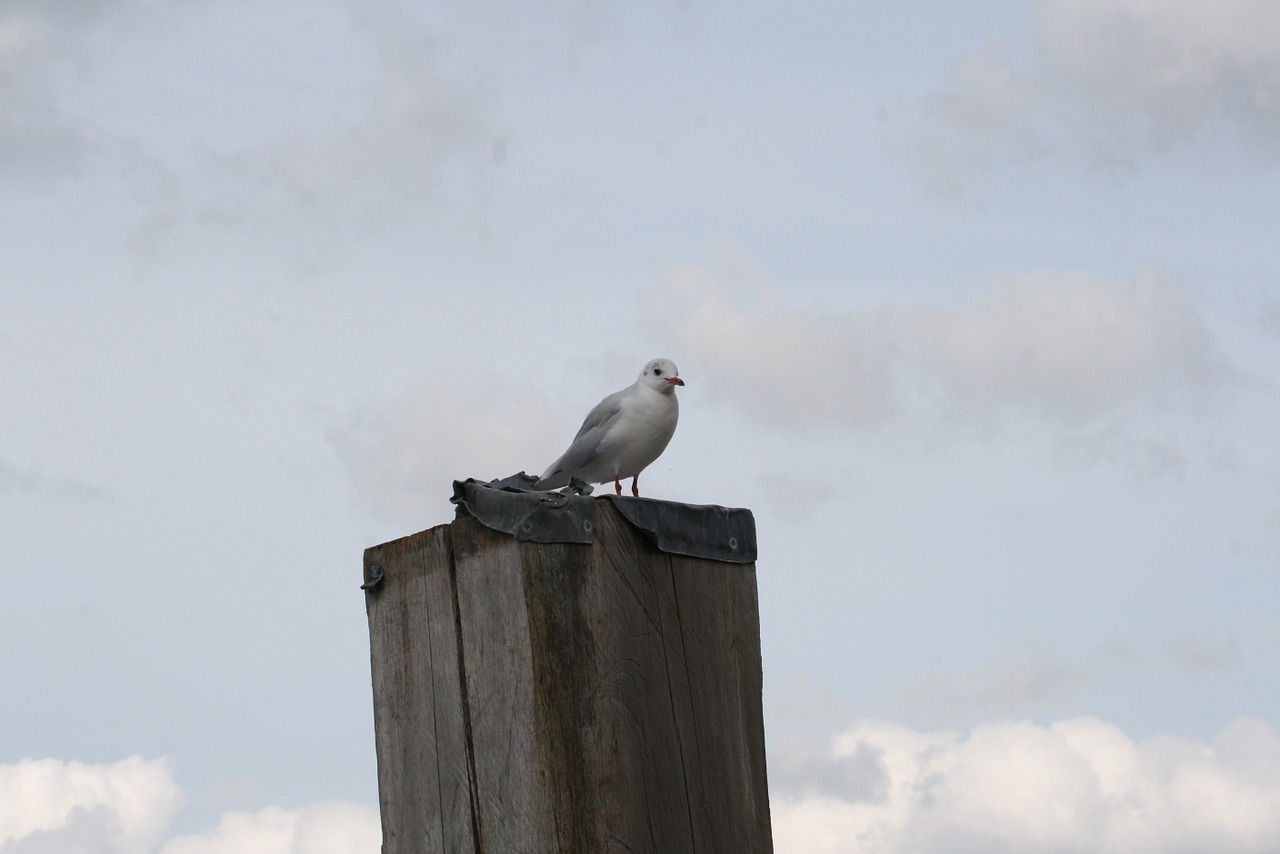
593	429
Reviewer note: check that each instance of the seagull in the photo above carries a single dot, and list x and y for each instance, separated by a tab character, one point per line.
623	433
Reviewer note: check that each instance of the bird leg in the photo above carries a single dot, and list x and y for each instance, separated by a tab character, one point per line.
617	485
635	489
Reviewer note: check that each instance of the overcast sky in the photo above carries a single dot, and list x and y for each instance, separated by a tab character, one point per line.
978	307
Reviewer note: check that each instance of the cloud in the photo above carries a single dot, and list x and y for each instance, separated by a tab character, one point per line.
1078	785
39	43
53	807
1003	787
408	136
1066	340
804	768
1204	653
424	110
780	364
33	133
325	828
1112	80
1067	344
409	132
1170	67
402	457
790	698
15	480
1036	681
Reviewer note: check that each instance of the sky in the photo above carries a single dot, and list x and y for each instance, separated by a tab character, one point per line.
978	309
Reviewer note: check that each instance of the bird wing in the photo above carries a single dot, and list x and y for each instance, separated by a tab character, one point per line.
594	428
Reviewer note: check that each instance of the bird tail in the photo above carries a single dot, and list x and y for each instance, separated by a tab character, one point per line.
552	480
560	479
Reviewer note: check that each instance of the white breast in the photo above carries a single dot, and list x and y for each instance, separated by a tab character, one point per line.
642	432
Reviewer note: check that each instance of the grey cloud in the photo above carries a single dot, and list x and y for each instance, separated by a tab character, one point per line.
1192	649
790	698
783	365
1205	652
37	42
425	110
1202	653
1063	339
34	135
72	12
397	144
1269	317
1068	345
402	455
1032	681
792	493
416	139
1110	82
1165	70
91	830
15	480
804	768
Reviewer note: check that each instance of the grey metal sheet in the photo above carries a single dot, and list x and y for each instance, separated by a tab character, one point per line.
510	505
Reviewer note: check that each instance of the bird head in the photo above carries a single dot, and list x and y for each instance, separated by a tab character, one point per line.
661	375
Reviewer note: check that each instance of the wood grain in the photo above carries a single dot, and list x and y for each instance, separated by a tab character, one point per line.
566	698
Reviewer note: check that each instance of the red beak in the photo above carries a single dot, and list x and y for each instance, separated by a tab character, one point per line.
676	381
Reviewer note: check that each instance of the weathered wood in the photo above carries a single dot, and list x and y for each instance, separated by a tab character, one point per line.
419	717
565	698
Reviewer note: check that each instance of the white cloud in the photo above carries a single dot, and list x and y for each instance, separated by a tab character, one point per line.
1065	343
1112	80
404	457
51	806
1078	785
325	828
780	364
1062	339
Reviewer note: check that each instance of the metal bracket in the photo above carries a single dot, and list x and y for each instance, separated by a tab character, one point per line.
375	578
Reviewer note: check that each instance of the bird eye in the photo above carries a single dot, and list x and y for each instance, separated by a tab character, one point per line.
657	372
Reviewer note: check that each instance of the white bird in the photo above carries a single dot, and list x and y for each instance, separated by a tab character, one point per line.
623	434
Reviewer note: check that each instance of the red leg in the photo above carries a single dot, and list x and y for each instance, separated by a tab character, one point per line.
635	488
617	486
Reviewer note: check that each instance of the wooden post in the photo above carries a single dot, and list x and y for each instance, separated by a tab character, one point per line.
560	697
